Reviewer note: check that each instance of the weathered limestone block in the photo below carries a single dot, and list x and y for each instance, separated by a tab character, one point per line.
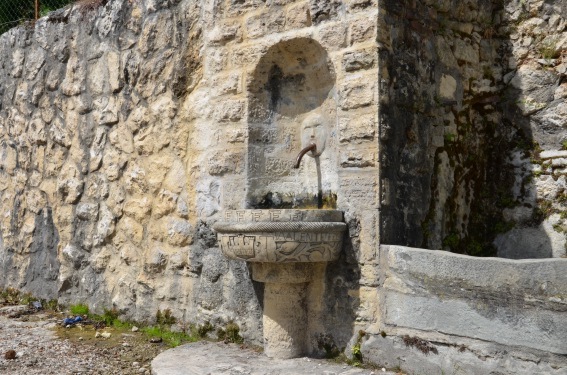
232	110
97	148
448	87
258	25
8	158
157	167
60	133
75	77
360	59
356	92
323	10
70	183
73	255
226	32
362	30
87	211
467	52
138	208
164	204
332	36
133	230
121	138
298	16
113	163
105	226
155	261
18	59
358	158
106	110
358	129
222	162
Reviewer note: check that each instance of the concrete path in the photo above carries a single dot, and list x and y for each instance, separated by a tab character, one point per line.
208	358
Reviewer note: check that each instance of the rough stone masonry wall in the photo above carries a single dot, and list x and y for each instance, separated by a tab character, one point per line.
470	90
123	134
94	189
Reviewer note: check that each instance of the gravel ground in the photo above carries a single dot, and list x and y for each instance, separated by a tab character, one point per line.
43	346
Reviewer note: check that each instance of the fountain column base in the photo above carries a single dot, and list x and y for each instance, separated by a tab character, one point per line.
285	313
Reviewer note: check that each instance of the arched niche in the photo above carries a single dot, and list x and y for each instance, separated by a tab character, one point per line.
293	82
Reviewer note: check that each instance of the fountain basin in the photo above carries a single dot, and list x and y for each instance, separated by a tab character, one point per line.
280	236
284	247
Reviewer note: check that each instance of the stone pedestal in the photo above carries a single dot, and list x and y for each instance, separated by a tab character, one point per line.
283	247
285	315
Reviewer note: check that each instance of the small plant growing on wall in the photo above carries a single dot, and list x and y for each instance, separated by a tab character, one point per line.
549	50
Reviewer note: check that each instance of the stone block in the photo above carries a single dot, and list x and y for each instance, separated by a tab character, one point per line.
226	32
132	229
216	61
298	16
229	161
87	211
357	91
362	30
447	87
360	5
358	157
229	110
358	128
467	52
324	10
359	59
332	36
260	24
164	204
359	190
247	56
138	208
227	84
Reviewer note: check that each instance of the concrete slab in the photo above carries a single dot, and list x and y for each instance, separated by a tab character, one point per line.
204	358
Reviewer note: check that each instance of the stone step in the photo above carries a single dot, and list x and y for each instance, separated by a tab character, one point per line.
226	359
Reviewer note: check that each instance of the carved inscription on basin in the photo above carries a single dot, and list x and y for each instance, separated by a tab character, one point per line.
281	235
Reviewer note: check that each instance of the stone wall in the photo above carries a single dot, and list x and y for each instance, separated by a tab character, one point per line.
126	128
471	94
448	313
97	200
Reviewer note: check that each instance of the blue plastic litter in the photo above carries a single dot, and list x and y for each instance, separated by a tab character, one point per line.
37	305
71	321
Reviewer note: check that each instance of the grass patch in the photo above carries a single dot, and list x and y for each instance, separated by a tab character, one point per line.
230	334
79	309
170	338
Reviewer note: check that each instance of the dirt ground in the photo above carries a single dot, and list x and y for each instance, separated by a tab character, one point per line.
42	345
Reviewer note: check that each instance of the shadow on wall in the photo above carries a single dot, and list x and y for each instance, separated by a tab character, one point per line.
342	277
463	124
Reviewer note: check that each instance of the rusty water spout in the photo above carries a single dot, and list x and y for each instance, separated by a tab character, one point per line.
312	147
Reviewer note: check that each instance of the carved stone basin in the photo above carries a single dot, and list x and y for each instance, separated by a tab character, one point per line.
284	247
278	236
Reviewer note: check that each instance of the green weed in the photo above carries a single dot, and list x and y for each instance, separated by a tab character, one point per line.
79	309
231	333
172	339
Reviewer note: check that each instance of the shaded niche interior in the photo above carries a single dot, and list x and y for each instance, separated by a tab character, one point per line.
294	79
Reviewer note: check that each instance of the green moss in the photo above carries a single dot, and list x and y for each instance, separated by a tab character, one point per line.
452	241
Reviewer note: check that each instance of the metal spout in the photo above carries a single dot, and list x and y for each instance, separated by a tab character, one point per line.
312	147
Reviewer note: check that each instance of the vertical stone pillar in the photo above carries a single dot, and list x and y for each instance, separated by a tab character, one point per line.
285	320
285	312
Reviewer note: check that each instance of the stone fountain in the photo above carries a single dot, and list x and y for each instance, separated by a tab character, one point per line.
286	234
282	246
